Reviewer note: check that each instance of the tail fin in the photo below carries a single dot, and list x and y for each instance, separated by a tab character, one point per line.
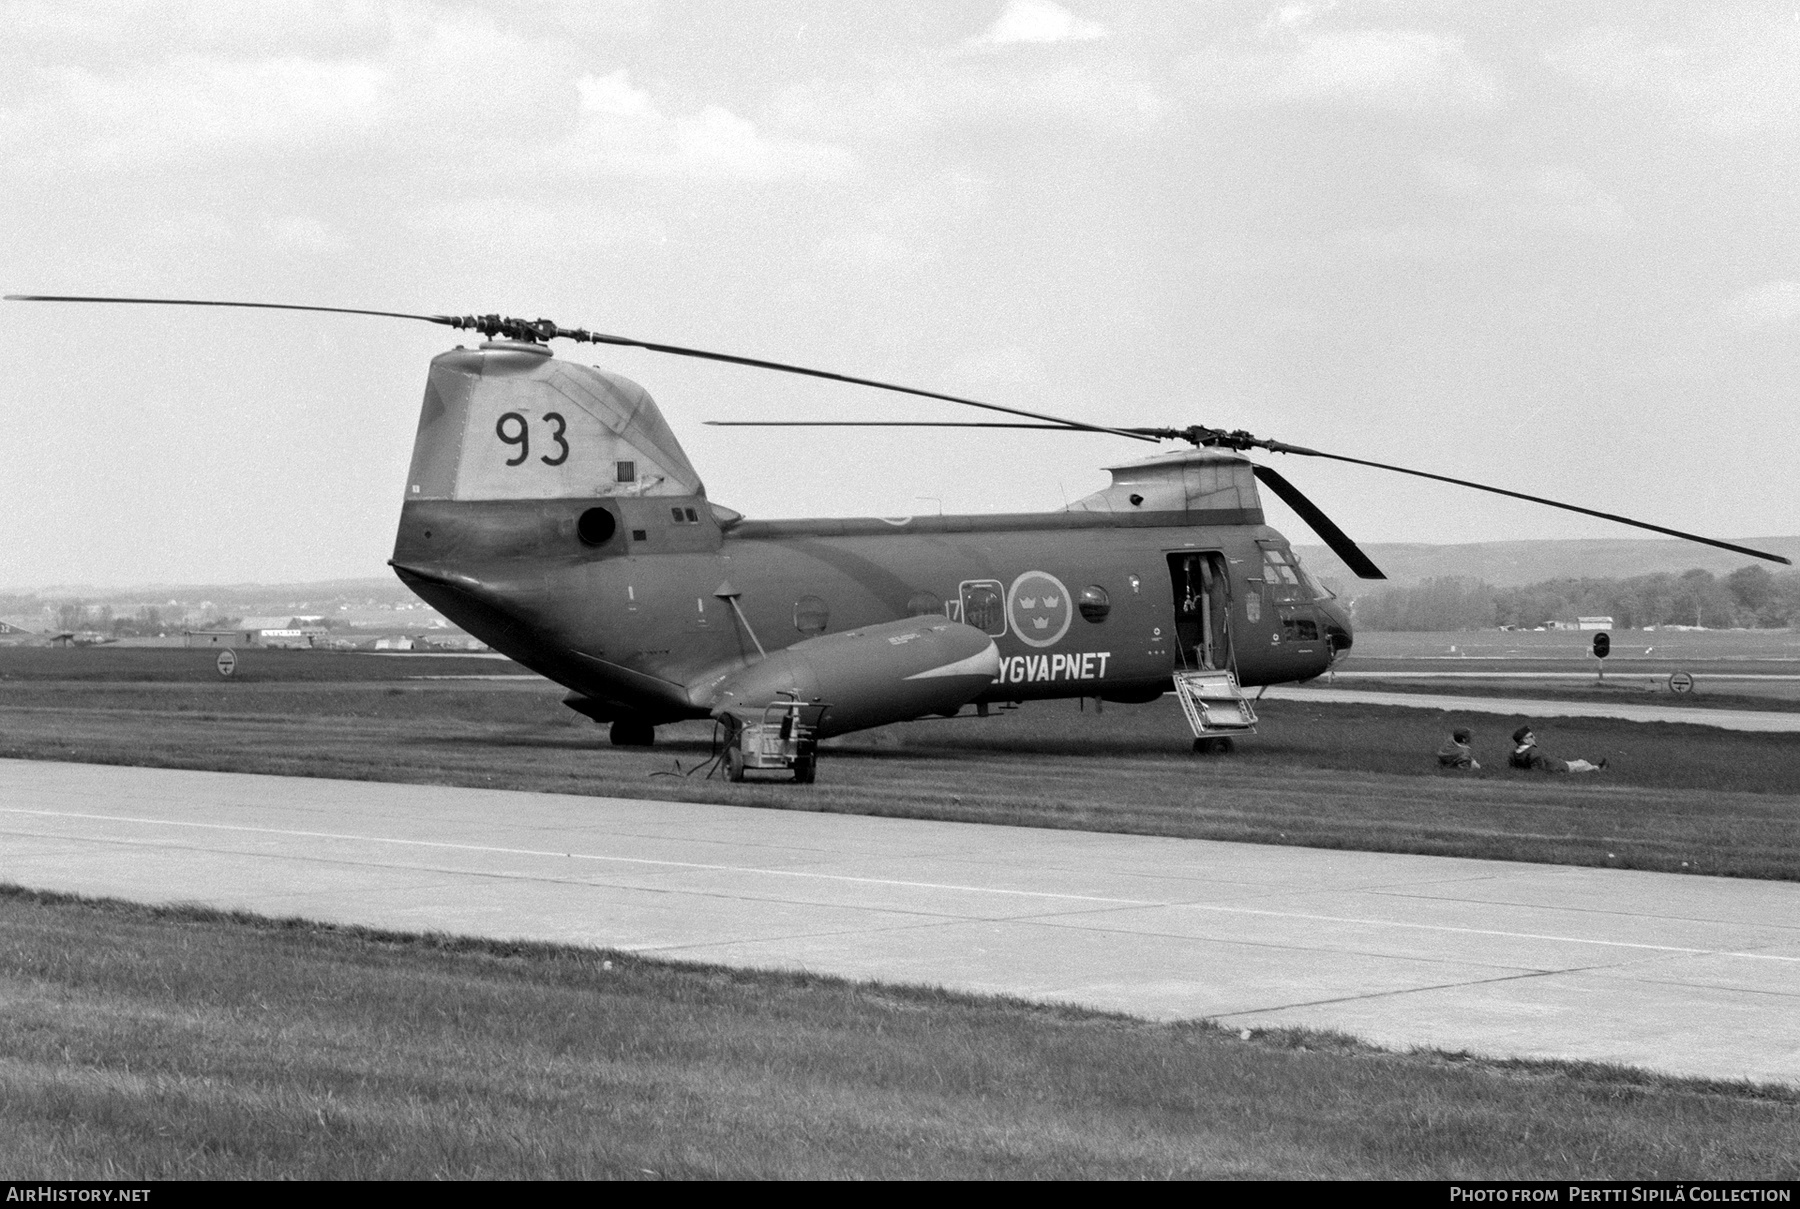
509	422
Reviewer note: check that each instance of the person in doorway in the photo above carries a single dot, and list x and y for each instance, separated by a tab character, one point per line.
1456	753
1525	754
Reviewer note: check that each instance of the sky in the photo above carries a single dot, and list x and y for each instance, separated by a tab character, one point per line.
1554	247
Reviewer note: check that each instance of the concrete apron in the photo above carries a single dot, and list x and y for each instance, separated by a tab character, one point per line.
1685	975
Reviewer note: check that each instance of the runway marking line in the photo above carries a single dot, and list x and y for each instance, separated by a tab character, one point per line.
896	882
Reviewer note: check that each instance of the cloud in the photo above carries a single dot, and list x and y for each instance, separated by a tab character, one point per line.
612	94
622	132
905	231
1729	79
1554	198
1391	69
1037	22
1007	365
301	233
1028	101
1293	16
434	90
1772	304
180	108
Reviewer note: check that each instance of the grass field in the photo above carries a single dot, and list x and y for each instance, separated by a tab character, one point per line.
1731	669
1677	798
199	665
148	1043
1763	696
1683	647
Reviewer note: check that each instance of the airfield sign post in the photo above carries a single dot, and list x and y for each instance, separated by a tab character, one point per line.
227	662
1602	648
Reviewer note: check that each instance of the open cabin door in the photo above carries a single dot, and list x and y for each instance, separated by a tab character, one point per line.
1205	676
1202	610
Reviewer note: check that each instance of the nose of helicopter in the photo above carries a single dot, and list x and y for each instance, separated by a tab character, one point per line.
1338	631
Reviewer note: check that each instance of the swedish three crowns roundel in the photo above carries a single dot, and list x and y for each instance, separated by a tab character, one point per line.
1039	608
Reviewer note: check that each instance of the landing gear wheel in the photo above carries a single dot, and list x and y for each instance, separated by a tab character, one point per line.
734	764
1214	747
805	769
633	734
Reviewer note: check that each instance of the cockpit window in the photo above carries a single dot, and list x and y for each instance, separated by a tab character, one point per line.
1314	588
1288	580
1282	577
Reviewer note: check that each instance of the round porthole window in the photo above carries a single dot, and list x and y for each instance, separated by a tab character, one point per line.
924	604
810	615
596	527
1093	603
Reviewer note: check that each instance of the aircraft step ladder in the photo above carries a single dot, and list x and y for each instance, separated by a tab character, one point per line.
1214	704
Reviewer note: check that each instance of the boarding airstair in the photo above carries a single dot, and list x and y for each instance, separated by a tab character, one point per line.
1215	707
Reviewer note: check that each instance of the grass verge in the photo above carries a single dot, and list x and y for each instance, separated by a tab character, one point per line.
1676	798
157	1043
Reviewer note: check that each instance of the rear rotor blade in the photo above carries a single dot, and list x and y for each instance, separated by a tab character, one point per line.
255	306
896	424
545	329
1319	523
784	367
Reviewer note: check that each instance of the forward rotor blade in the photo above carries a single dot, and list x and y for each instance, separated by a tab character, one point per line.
1319	523
1535	499
545	329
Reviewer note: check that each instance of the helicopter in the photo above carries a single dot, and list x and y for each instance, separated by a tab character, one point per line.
550	511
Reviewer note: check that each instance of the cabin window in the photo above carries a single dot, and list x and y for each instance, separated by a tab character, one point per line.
984	606
1094	603
811	615
625	472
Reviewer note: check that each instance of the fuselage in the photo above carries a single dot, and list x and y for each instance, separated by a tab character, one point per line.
1077	604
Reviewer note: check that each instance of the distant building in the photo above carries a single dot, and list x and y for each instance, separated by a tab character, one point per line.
451	642
1594	623
220	638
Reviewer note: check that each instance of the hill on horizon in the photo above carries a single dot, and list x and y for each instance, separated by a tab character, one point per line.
1502	564
1516	563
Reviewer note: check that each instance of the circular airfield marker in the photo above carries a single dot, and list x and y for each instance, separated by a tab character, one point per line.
1681	682
227	662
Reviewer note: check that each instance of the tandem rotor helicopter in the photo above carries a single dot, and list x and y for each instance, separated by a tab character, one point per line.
551	512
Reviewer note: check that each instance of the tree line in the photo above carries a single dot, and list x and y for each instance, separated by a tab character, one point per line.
1748	597
149	621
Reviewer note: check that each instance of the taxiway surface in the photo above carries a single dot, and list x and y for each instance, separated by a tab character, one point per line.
1688	975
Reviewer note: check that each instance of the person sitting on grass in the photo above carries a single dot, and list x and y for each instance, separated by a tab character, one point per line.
1525	754
1456	753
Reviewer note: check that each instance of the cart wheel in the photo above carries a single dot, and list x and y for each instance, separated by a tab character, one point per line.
734	764
805	769
1213	747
